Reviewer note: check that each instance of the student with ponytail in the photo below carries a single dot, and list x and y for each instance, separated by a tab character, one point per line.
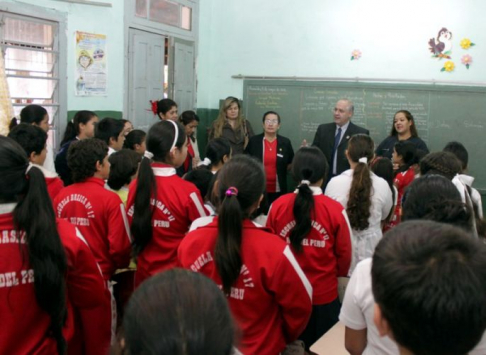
218	152
268	293
318	231
366	197
161	206
50	280
80	127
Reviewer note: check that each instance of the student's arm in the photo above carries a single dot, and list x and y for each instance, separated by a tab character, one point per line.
90	298
355	340
293	294
195	206
342	246
388	200
118	233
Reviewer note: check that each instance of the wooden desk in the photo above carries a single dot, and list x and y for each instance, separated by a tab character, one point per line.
331	343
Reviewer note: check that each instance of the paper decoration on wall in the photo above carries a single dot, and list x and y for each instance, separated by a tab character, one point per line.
466	60
448	66
466	43
91	64
356	54
442	45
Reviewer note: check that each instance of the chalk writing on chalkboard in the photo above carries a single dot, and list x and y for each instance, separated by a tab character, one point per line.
441	113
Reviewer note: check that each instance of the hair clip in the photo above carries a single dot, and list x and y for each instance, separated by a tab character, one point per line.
153	107
305	182
363	160
232	191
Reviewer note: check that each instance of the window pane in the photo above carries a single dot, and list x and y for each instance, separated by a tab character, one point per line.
34	33
31	88
141	8
165	12
31	60
186	18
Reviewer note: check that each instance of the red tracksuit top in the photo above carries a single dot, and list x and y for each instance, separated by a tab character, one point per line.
100	216
24	323
327	250
271	300
178	203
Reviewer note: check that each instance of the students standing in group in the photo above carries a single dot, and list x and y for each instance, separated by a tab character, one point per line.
161	205
366	197
318	231
268	293
50	281
82	126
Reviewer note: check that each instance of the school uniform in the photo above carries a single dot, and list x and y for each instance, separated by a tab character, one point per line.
270	300
25	326
326	250
401	181
385	149
100	216
177	204
282	155
364	241
53	182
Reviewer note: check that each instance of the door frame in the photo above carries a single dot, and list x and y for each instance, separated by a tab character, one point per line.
136	23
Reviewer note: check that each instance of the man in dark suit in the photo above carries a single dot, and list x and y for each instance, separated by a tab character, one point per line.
332	138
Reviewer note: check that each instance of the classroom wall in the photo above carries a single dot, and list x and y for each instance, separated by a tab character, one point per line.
100	20
315	38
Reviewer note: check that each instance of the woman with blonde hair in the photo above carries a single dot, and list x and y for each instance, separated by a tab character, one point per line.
231	124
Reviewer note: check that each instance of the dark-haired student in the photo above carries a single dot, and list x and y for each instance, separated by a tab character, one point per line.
366	197
111	131
33	140
462	154
135	140
196	320
218	153
439	305
98	213
165	109
123	169
404	158
431	197
38	116
403	130
268	293
82	126
161	205
190	121
275	152
318	231
51	284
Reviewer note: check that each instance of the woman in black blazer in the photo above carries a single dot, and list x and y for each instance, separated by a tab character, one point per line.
276	154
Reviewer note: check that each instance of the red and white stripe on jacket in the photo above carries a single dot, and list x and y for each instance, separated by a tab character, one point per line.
270	300
327	250
177	204
24	324
100	216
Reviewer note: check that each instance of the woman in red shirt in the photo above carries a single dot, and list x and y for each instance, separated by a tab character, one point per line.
276	154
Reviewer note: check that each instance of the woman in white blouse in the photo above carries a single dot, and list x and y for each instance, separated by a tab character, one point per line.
366	197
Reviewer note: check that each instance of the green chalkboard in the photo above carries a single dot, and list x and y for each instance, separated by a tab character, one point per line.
442	113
